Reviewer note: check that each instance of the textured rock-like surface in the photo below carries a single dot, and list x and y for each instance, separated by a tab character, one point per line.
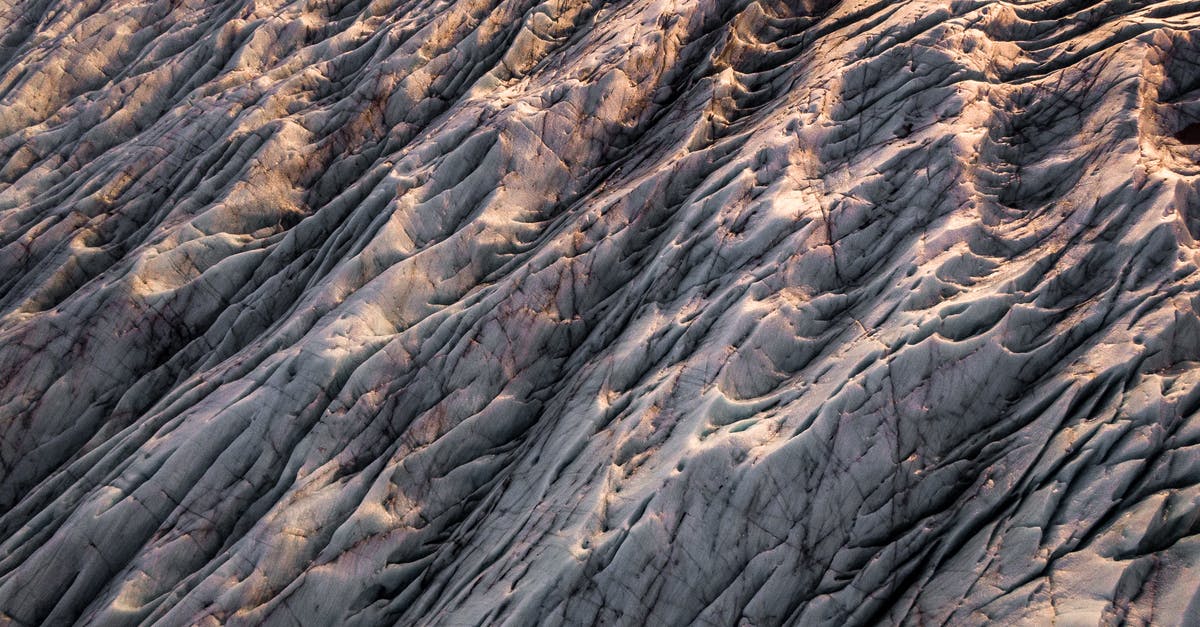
632	312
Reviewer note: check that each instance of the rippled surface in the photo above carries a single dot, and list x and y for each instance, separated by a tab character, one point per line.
632	312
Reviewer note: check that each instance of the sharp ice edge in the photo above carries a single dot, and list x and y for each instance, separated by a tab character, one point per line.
633	312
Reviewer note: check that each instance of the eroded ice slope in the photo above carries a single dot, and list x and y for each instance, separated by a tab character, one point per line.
633	312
